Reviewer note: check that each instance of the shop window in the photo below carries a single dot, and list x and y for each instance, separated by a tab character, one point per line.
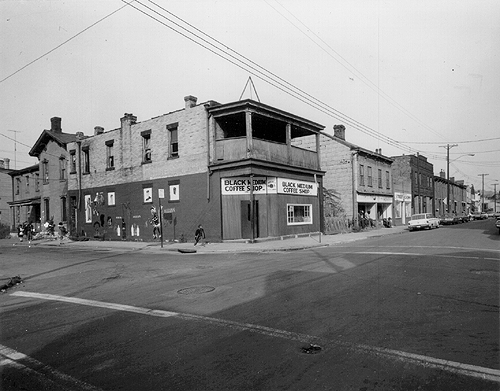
173	140
299	214
64	213
86	160
110	158
46	208
146	146
379	178
361	175
72	161
370	178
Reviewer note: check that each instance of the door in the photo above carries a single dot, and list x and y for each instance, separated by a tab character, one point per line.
246	220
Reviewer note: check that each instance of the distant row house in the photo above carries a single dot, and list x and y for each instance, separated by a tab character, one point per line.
244	170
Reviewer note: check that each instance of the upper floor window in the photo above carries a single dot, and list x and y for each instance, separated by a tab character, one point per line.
37	182
110	158
86	160
173	139
379	178
361	175
18	185
146	146
27	183
370	178
387	180
62	168
45	171
72	161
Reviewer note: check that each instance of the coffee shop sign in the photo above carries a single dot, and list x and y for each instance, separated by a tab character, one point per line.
267	185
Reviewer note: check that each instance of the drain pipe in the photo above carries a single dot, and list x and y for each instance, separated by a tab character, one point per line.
209	116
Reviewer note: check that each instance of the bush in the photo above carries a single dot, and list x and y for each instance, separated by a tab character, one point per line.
4	231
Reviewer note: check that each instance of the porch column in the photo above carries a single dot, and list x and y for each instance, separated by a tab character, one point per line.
248	127
289	143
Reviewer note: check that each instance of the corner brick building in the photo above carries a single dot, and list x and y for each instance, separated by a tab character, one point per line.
231	167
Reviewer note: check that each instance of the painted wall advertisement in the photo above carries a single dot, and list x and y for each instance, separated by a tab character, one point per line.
267	185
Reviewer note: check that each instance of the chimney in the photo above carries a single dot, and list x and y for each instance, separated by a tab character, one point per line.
79	136
6	163
190	101
98	130
128	120
55	125
339	131
442	174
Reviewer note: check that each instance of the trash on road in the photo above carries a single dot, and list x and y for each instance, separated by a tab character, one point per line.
12	281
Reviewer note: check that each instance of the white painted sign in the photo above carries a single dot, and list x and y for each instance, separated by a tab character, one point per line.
374	199
291	186
402	197
241	185
161	193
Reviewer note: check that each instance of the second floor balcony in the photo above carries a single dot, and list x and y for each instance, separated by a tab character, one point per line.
251	130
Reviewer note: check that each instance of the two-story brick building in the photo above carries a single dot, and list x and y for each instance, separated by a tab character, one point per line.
5	191
25	197
457	202
357	181
231	167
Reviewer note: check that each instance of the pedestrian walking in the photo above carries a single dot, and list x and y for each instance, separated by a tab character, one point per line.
199	234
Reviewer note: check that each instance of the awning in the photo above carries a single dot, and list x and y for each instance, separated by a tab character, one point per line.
31	202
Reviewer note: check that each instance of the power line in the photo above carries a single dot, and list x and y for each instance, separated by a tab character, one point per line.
267	76
65	42
460	142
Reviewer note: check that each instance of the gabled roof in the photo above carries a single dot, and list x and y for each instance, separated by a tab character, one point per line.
47	135
354	147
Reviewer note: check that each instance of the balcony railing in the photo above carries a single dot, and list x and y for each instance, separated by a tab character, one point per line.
234	149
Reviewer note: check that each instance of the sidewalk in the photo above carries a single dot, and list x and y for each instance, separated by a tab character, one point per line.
239	246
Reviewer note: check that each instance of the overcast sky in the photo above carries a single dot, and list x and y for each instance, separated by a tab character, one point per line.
417	74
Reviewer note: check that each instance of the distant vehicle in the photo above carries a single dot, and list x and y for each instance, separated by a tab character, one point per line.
448	220
497	224
423	220
484	215
496	215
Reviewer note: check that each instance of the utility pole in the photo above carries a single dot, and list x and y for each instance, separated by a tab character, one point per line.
448	147
482	192
495	197
15	146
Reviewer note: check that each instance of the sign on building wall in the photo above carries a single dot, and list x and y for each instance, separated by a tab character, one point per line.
374	198
402	197
267	185
290	186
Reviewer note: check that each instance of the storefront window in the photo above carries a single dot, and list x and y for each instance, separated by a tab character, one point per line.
299	214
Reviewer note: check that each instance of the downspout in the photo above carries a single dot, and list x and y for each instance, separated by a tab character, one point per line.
354	162
79	143
208	151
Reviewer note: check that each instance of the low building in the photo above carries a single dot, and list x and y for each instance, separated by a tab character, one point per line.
231	167
450	196
5	191
26	198
357	181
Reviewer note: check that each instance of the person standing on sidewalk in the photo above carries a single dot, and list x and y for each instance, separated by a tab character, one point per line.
199	233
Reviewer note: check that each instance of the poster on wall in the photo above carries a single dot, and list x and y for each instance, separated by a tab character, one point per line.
291	186
174	192
148	195
88	208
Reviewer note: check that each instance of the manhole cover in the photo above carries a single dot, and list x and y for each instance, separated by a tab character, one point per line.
195	290
311	349
485	272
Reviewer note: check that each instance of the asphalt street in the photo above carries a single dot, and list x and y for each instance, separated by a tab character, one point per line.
406	311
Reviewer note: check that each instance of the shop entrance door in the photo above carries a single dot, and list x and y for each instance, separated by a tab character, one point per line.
246	220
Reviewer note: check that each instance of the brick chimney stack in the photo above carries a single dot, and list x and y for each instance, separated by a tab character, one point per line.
339	131
442	174
98	130
128	120
55	125
190	101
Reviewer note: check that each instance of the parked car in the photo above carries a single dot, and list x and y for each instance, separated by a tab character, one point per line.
484	215
423	220
448	220
475	216
497	224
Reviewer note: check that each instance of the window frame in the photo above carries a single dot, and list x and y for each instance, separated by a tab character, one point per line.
72	161
147	155
86	160
173	140
110	157
291	214
62	168
361	174
369	176
379	179
45	171
387	180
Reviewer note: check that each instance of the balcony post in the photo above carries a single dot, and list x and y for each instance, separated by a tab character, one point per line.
289	143
248	128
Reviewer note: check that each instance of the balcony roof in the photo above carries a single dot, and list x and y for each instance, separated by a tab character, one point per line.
265	110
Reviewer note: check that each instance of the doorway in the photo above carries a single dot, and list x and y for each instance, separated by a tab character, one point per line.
246	220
